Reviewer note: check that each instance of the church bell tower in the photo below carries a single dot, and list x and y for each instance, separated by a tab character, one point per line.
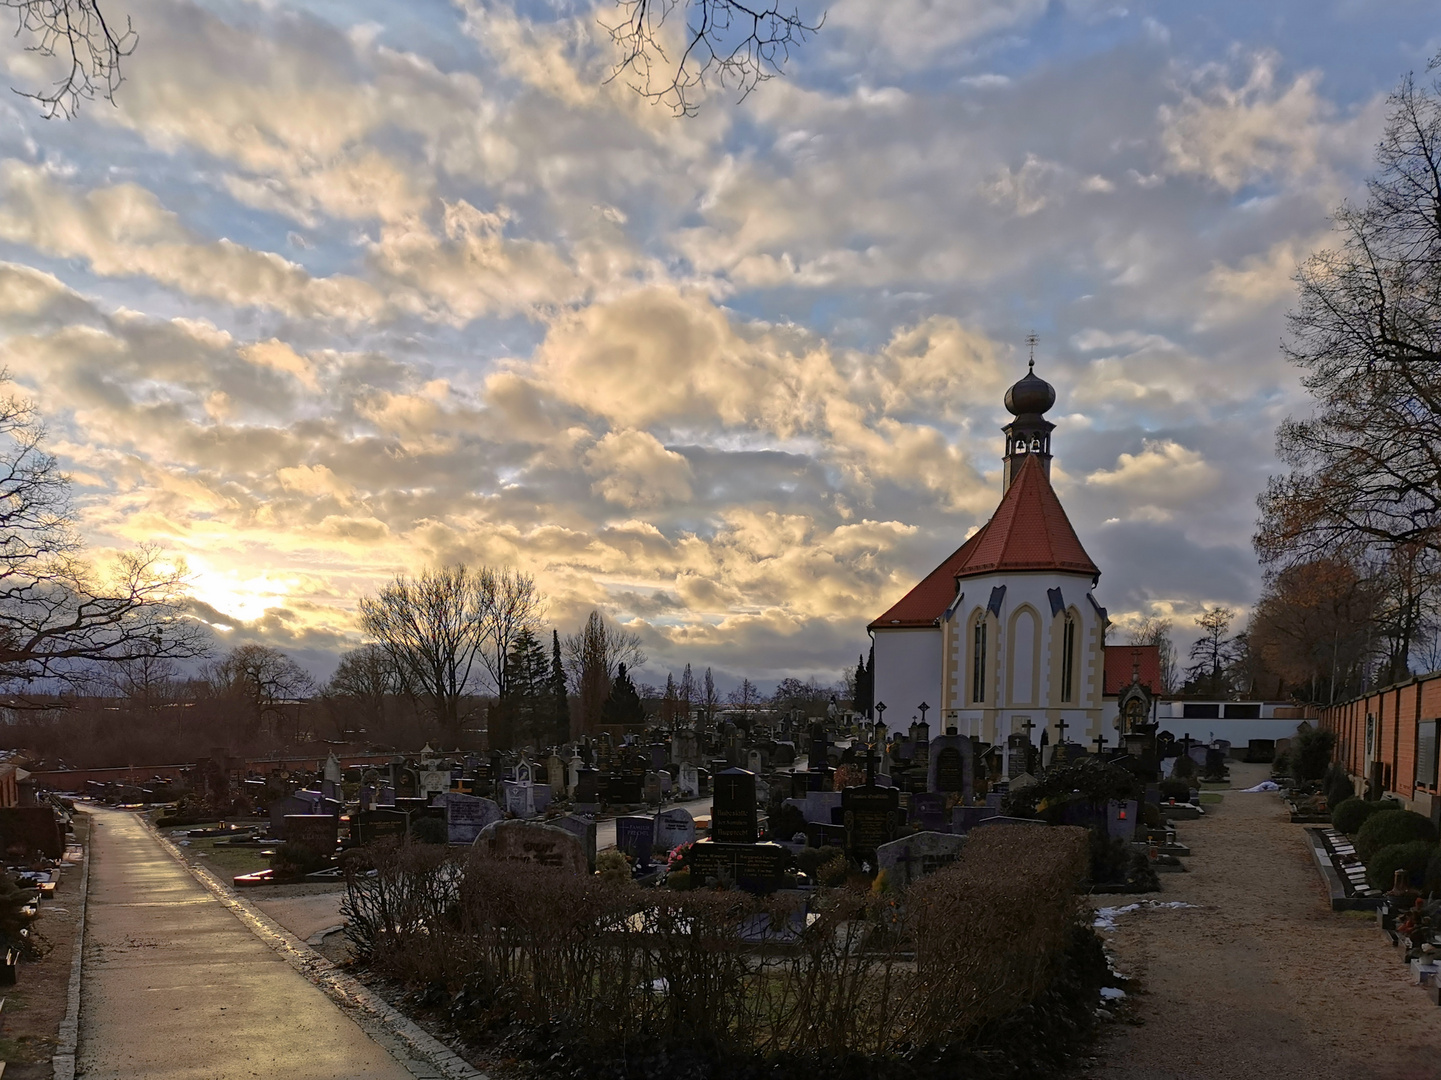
1029	434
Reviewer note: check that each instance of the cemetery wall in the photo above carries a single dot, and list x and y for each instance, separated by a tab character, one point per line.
1380	739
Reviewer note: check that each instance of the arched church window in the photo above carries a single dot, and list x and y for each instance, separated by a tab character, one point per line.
978	661
1068	657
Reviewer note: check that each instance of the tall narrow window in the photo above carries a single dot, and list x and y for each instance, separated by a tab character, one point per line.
978	662
1068	657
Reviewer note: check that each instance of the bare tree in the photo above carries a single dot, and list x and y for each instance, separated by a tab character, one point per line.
265	680
89	45
1156	631
61	618
367	677
1365	467
592	658
1213	655
709	699
511	605
739	45
433	628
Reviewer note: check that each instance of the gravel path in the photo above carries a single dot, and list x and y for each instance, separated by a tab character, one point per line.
1260	979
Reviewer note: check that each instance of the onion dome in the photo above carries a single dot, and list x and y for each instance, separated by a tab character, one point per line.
1031	396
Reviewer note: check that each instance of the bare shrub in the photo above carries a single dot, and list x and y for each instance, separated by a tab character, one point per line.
615	966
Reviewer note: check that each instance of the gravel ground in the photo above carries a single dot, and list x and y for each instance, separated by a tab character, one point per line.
1260	978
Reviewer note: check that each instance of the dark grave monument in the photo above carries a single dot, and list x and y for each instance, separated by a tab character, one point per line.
635	837
757	868
928	812
368	826
871	816
733	808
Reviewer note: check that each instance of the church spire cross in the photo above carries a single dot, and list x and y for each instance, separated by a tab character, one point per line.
1032	340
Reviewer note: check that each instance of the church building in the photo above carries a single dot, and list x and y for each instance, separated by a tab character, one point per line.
1005	638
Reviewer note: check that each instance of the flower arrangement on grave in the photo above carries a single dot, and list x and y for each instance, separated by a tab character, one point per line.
847	775
679	857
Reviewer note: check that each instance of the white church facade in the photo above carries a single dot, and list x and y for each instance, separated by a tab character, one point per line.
1005	636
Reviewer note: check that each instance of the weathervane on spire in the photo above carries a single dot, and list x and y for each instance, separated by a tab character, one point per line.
1032	340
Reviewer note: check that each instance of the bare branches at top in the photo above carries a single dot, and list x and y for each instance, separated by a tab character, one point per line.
736	44
89	45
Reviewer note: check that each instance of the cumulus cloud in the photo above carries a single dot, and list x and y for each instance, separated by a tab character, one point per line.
736	381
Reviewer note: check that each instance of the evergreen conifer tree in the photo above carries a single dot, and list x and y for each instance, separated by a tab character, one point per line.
622	708
559	700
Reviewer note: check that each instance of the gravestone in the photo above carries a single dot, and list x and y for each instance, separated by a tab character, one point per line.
583	827
950	767
689	780
755	762
385	796
332	770
371	825
674	827
519	798
310	836
912	857
635	836
406	784
533	842
757	868
820	806
467	815
652	789
283	807
330	789
540	797
555	774
928	812
871	815
733	808
434	781
1121	819
587	789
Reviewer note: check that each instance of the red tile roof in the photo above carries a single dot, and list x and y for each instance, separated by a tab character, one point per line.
1028	531
1123	660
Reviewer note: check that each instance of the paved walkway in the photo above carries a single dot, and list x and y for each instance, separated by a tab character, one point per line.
1260	978
175	987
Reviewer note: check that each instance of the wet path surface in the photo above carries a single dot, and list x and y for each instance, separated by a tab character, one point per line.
175	986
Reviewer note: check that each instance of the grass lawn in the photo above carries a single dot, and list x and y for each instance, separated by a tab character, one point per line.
222	858
1210	797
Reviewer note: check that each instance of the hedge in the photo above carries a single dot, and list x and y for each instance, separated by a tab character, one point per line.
1413	857
1387	827
1350	814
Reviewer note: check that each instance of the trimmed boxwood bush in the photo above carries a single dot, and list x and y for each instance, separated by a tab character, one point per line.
1387	827
1413	856
1351	814
1337	785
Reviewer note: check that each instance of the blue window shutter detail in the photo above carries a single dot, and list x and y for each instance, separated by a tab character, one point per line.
1058	604
998	595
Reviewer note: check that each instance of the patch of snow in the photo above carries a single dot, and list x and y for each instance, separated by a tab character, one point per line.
1112	993
1264	785
1106	917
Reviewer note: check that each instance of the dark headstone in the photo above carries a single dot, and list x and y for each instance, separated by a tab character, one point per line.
733	808
581	826
871	816
371	825
635	836
467	815
310	838
928	811
757	868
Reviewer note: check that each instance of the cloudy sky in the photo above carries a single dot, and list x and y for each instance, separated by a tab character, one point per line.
345	289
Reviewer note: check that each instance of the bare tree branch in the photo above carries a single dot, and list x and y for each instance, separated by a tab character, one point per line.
736	44
79	33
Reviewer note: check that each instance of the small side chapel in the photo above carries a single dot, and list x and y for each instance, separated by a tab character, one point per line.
1004	638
